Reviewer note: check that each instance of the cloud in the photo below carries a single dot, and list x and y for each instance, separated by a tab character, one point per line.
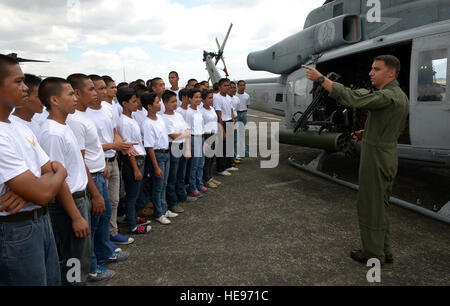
147	38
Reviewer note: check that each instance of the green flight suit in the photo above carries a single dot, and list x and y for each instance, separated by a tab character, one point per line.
388	111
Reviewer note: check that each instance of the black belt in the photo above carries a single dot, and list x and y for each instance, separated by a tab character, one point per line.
110	159
79	194
98	172
162	151
242	111
25	216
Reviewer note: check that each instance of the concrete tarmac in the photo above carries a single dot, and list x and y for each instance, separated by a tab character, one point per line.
285	227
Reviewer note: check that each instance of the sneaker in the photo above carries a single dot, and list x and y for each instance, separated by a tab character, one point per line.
203	190
114	247
237	161
232	169
196	194
176	209
225	173
191	199
170	214
216	182
120	239
118	257
163	220
101	274
211	184
141	229
142	221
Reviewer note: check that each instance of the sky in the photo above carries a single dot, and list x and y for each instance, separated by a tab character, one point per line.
145	38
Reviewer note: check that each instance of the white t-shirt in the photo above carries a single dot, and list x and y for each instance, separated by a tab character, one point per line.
139	115
104	121
155	133
223	104
29	124
209	120
19	152
194	120
235	103
61	145
40	118
178	99
245	101
85	132
129	129
114	110
163	108
175	124
182	112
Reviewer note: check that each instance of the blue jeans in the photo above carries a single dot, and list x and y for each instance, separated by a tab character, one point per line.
145	192
181	175
28	254
197	162
101	249
159	184
171	192
241	117
132	190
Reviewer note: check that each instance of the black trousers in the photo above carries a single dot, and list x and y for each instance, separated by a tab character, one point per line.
225	162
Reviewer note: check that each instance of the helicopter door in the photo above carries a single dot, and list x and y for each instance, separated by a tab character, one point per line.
298	97
429	93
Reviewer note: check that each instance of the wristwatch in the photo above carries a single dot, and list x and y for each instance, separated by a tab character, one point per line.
321	79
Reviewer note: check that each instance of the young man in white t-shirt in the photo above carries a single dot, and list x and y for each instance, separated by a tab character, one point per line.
159	87
173	80
111	92
224	110
156	142
132	166
28	181
91	149
178	132
235	103
34	106
106	123
242	116
59	142
210	126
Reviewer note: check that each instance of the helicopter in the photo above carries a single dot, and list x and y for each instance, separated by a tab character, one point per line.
342	38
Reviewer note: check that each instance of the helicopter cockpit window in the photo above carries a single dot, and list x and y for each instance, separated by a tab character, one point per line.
432	75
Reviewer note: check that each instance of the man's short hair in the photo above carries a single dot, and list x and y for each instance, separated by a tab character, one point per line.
390	61
107	79
154	80
206	92
192	92
197	85
140	90
50	87
149	83
223	80
174	72
216	86
148	99
95	77
241	81
191	80
167	95
5	63
77	80
32	82
122	84
124	94
183	93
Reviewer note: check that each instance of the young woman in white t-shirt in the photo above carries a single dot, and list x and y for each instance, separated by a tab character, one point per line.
210	126
132	166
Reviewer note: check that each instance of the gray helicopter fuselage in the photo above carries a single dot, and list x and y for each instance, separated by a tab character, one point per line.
417	32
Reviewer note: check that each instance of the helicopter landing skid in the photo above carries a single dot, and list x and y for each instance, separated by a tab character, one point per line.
316	165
